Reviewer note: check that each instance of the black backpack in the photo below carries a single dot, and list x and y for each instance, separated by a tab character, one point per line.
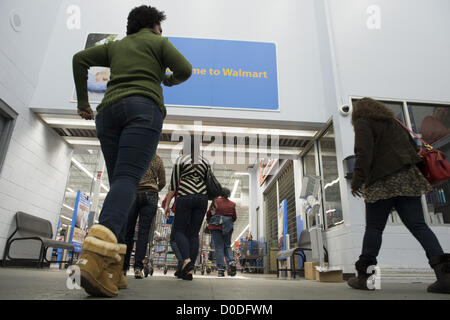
213	187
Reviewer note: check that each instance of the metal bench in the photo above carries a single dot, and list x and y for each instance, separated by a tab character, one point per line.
35	228
303	244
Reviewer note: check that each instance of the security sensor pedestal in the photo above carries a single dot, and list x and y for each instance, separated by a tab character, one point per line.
312	205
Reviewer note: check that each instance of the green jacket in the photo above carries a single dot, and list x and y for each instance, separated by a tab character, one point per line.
138	65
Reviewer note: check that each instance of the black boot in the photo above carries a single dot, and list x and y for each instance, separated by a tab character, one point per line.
360	281
231	270
178	272
441	266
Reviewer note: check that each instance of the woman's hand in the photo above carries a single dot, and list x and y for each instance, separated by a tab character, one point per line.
166	81
166	212
86	113
356	193
356	189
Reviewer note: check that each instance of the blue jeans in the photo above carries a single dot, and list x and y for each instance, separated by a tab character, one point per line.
145	208
189	213
175	249
222	247
410	211
129	132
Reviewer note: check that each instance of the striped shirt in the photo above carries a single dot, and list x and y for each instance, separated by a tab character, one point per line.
189	178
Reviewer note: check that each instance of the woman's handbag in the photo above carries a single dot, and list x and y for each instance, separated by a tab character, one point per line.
213	187
175	196
436	168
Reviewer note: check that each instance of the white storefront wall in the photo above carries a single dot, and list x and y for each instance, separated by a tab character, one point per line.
326	54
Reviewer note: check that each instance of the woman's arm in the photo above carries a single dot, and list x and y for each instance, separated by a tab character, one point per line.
81	62
364	144
178	64
174	184
169	196
208	213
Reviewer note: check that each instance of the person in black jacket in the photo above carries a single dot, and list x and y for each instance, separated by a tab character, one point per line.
386	176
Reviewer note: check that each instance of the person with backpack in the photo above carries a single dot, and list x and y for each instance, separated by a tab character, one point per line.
221	216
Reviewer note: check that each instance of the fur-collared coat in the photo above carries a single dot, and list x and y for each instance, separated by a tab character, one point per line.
382	145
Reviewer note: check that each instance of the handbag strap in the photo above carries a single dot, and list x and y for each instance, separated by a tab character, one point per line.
415	135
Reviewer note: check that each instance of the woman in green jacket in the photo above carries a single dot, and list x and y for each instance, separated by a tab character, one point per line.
129	123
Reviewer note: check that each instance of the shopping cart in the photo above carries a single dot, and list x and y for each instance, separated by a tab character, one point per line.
251	258
160	255
206	252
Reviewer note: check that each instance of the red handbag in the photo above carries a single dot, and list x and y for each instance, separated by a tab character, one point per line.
175	196
436	168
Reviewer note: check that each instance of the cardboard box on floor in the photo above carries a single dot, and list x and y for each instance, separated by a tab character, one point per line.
310	270
329	275
273	259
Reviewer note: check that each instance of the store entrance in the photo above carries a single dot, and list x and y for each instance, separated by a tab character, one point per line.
243	157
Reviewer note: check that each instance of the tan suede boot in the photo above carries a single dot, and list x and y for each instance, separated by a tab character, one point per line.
99	251
116	269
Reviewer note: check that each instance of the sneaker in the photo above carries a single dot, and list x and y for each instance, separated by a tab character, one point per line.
138	274
221	273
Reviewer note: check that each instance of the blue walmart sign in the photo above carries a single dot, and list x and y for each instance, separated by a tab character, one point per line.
230	74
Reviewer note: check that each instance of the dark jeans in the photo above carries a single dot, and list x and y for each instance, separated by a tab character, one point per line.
129	131
175	249
189	213
222	247
410	211
145	208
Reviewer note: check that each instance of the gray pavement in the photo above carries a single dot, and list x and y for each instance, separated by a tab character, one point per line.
18	284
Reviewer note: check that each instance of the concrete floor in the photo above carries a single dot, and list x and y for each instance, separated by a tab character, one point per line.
50	284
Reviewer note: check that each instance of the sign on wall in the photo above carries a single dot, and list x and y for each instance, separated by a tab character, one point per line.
232	74
282	225
225	74
80	220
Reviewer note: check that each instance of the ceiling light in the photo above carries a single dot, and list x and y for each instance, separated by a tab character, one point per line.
86	171
239	130
240	235
331	184
71	121
93	142
66	206
232	149
82	168
233	193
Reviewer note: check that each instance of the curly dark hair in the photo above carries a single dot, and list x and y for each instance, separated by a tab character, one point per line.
226	193
144	17
370	108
